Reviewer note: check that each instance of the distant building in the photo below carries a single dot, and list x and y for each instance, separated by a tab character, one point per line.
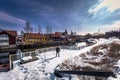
7	37
65	33
19	40
57	36
62	36
33	38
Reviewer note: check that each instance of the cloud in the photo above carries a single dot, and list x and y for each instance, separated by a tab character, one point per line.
38	7
9	18
111	5
109	27
45	11
103	28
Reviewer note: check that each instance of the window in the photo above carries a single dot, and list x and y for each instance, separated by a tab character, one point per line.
4	35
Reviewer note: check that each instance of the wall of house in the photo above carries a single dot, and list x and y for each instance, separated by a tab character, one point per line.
32	41
4	39
12	40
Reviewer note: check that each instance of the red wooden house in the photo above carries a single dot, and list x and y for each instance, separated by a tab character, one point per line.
7	37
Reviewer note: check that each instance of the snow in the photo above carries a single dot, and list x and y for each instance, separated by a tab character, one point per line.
27	58
44	67
117	73
48	60
81	44
53	60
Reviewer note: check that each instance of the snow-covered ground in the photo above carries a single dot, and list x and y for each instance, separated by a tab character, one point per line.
43	68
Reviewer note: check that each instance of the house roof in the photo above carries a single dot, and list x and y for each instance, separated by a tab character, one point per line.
10	32
57	34
33	35
60	33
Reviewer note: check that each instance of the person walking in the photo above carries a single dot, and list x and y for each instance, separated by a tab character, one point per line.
57	52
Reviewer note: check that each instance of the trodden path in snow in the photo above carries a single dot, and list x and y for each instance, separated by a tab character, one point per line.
47	62
51	61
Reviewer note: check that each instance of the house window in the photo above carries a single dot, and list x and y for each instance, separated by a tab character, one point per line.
4	36
4	39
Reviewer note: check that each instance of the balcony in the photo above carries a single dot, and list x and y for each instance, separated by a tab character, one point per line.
4	38
3	44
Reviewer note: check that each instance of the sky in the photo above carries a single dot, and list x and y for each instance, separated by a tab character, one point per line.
82	16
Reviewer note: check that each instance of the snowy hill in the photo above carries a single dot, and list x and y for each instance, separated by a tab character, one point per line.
44	67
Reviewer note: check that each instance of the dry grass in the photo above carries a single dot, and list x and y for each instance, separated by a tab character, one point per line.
82	55
103	61
95	50
87	68
113	50
109	58
105	64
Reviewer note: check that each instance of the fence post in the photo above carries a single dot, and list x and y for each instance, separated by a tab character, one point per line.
70	77
30	53
83	77
10	63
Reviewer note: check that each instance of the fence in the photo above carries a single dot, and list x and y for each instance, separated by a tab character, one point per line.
31	54
39	51
17	56
103	75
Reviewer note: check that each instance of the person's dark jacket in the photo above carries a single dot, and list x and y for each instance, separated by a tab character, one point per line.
57	49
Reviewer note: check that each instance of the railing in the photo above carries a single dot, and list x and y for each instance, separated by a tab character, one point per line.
30	53
20	55
39	51
4	38
3	44
61	74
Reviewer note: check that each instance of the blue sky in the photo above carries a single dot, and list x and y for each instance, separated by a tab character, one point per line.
82	16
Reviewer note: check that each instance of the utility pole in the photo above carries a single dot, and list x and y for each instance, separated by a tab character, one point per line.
70	77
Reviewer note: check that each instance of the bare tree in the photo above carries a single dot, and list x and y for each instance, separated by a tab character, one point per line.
28	27
39	29
48	29
35	30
